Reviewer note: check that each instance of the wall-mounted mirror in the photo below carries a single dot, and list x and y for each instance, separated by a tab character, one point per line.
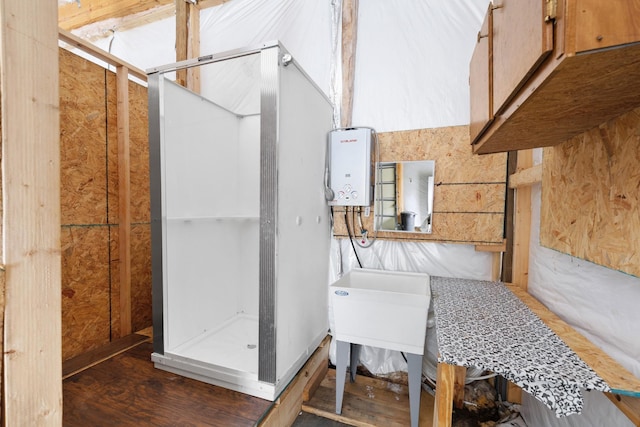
404	196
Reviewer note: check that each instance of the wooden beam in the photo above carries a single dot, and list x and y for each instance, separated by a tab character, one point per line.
80	13
124	198
182	36
193	48
492	248
188	43
32	386
288	405
349	43
526	177
204	4
522	225
75	41
102	29
630	406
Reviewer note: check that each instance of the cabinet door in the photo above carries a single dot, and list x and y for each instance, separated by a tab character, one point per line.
481	113
521	41
600	24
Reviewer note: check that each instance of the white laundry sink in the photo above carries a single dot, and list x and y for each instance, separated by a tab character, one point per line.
386	309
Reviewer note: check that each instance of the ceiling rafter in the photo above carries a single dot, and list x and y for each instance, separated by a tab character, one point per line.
78	14
119	14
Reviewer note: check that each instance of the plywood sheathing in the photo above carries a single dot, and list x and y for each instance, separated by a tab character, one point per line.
90	206
590	197
469	192
82	138
85	289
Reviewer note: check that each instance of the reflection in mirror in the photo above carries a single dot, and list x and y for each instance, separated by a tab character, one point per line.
404	196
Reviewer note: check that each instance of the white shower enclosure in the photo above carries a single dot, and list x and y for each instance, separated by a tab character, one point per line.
240	228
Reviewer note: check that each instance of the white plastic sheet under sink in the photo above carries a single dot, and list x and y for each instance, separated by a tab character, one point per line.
386	309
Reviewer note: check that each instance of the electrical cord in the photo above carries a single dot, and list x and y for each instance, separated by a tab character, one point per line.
346	223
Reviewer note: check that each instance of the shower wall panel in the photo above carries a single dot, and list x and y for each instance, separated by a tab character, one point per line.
303	222
201	144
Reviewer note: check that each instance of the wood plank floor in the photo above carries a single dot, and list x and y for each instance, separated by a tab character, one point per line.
127	390
368	402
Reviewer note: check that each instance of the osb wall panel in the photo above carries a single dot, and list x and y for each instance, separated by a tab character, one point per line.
139	152
471	198
469	190
590	196
450	148
85	289
83	160
141	269
90	201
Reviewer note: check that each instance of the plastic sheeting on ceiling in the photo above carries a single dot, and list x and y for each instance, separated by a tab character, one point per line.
304	28
412	62
412	59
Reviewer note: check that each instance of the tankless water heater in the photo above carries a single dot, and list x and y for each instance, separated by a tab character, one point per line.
350	174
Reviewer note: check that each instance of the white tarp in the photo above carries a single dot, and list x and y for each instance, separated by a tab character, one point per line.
412	62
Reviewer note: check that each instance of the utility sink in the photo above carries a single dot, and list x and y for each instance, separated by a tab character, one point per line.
386	309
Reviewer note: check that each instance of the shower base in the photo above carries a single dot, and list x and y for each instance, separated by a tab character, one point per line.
226	356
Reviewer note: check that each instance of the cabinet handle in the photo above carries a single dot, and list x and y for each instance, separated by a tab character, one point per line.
481	36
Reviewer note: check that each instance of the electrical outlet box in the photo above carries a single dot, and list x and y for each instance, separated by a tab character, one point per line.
350	169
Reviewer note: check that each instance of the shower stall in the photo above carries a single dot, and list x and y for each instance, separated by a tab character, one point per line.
240	228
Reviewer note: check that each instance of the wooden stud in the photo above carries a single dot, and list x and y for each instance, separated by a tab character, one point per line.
182	38
447	392
2	302
32	386
349	43
193	48
522	225
188	43
124	195
496	266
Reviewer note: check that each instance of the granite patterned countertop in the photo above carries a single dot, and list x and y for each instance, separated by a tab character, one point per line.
483	324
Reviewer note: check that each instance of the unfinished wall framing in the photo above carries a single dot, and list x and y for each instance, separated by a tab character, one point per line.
590	198
469	191
89	206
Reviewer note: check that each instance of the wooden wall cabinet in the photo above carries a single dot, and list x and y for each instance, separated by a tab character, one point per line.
544	71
